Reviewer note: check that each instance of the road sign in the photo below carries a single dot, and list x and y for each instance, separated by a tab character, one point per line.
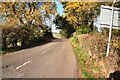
110	18
105	17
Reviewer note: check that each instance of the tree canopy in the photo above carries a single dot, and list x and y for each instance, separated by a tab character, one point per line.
24	22
63	24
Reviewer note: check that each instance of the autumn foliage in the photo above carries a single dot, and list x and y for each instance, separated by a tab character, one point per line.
25	22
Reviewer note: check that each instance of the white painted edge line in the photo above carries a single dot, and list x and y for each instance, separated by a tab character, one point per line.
23	64
44	52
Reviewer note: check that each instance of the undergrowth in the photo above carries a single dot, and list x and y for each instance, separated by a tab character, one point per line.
86	66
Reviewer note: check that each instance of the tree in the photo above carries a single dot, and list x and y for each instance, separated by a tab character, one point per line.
82	13
66	28
25	18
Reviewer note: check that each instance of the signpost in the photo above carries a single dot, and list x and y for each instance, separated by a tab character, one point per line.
105	17
110	18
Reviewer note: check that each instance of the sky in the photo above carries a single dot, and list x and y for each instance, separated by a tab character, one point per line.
59	10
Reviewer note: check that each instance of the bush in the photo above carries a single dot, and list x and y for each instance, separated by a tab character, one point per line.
13	37
74	40
83	31
67	33
63	33
116	33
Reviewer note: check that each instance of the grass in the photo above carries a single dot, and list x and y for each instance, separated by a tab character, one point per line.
85	65
9	50
56	35
82	58
74	40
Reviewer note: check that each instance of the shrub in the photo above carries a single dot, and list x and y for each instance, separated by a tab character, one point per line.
13	37
74	39
116	32
83	31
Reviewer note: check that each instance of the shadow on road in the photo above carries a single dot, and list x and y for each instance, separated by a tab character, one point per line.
30	45
37	43
58	39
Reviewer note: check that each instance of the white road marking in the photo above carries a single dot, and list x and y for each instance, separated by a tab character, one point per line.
49	48
46	62
55	43
10	67
23	64
44	52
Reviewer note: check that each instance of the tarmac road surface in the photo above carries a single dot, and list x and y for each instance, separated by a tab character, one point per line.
55	59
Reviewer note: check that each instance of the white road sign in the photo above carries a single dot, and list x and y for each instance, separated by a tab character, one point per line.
105	17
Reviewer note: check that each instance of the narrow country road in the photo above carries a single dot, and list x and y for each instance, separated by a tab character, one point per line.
52	60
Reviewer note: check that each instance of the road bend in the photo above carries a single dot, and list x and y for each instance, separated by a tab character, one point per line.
55	59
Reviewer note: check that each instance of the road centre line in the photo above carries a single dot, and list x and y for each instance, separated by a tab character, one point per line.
44	52
55	42
23	64
48	49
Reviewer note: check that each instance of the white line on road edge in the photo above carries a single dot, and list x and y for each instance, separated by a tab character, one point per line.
23	64
44	52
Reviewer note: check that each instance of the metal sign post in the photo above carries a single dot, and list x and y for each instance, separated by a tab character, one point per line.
112	22
110	32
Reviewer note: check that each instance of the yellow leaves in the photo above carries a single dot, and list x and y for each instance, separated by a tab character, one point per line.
71	18
71	5
32	10
10	23
79	10
92	0
3	7
15	11
83	3
77	6
49	7
28	11
44	6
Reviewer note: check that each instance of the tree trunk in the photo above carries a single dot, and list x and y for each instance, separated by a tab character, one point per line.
91	26
4	46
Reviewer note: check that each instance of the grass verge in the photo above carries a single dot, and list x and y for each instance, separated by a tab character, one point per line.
85	65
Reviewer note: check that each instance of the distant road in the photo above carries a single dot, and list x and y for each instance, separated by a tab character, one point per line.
52	60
